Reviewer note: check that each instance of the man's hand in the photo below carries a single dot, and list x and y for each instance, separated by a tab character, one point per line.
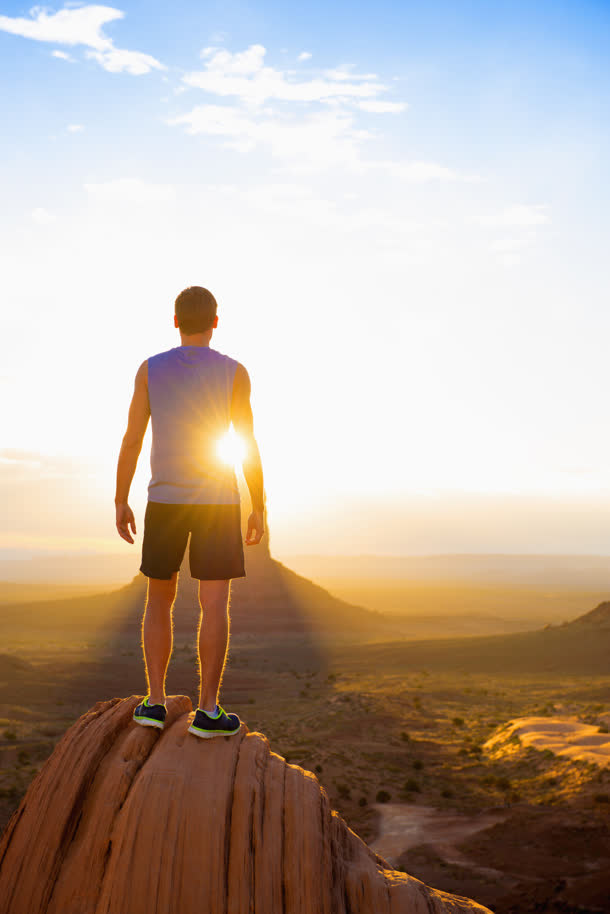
255	522
124	520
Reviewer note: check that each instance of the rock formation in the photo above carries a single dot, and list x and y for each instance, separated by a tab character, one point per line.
128	820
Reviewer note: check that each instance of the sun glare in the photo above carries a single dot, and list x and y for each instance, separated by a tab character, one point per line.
231	448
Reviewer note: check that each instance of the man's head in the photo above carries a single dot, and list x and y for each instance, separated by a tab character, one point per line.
195	310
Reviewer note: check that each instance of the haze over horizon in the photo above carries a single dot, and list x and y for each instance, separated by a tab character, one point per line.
403	219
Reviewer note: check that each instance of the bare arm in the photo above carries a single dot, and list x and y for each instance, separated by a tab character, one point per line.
243	423
139	414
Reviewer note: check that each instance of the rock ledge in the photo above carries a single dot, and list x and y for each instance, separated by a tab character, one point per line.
124	819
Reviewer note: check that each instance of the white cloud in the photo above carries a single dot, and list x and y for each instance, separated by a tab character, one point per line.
119	61
42	216
519	215
345	71
303	141
130	191
419	172
304	55
81	25
381	107
322	139
74	128
62	55
508	245
245	76
305	144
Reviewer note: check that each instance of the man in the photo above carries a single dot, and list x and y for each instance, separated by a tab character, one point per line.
192	393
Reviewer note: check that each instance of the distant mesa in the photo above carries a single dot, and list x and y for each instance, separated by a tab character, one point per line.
599	617
127	820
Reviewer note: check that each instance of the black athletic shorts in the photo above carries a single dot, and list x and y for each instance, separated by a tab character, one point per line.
216	551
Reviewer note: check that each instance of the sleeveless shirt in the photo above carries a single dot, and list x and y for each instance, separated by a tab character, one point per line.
190	390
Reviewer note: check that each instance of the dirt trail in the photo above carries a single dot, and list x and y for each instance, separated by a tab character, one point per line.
404	825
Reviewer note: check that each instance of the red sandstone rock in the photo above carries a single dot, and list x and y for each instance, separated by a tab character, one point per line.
124	819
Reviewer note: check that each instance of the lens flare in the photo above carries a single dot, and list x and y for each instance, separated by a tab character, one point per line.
231	448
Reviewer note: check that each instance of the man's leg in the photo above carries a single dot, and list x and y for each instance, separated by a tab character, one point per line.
213	639
157	635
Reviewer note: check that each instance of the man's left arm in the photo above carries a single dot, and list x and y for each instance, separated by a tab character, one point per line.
139	414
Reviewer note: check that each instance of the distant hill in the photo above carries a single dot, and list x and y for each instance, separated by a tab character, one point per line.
598	617
556	572
579	647
271	598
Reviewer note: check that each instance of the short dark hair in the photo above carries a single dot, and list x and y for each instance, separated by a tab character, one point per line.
195	309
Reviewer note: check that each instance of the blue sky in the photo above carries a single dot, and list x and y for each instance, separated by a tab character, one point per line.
401	208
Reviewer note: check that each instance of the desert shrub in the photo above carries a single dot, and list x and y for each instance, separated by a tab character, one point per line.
602	798
362	801
548	799
303	693
447	793
251	701
331	677
318	769
10	734
383	796
23	757
458	721
418	764
503	783
603	728
8	792
343	791
405	737
463	751
411	786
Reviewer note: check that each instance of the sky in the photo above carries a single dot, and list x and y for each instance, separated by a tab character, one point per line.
402	211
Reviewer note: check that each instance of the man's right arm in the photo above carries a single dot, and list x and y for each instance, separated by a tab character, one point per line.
243	423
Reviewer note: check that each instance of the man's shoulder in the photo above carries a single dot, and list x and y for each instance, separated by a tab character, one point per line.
233	365
225	356
160	355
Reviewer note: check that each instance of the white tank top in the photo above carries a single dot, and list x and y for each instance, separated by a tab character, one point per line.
190	390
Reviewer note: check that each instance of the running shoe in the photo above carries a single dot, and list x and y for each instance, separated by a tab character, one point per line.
150	715
207	725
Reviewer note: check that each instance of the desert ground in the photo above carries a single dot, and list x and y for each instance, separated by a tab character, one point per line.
435	749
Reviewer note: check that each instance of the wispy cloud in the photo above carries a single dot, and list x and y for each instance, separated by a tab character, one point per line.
42	216
321	139
306	122
62	55
520	215
130	192
382	107
17	464
81	25
304	55
245	76
75	128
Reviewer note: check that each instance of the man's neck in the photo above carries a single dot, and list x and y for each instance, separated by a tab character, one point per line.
197	339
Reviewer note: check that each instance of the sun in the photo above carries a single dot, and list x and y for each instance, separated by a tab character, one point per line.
231	448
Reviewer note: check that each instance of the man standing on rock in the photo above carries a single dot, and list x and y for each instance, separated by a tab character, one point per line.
192	393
